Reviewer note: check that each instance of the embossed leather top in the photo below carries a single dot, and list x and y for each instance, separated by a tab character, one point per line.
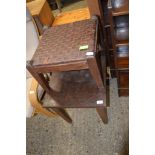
60	44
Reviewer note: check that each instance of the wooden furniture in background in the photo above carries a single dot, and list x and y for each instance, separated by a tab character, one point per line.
95	8
116	39
36	102
72	16
34	92
43	16
119	42
64	56
41	12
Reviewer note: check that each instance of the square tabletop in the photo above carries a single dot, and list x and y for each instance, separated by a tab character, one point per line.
60	44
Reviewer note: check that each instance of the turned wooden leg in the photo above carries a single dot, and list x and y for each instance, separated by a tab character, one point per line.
94	69
62	112
102	111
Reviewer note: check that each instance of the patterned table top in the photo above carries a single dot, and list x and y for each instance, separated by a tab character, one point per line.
60	44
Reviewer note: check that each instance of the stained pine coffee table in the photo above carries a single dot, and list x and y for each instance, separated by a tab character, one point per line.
58	51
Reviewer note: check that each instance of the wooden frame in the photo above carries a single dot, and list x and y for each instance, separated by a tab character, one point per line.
91	63
95	9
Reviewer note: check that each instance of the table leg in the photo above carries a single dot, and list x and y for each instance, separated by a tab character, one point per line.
102	111
45	85
94	69
62	112
40	78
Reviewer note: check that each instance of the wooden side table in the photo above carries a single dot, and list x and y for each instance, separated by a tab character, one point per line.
41	12
58	51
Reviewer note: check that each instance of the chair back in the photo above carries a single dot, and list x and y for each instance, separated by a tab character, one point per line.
32	38
32	41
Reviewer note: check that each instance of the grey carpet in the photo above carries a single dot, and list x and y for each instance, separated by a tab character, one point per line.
86	136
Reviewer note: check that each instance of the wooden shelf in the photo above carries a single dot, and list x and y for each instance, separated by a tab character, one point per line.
119	12
123	62
123	92
78	90
122	54
122	10
120	43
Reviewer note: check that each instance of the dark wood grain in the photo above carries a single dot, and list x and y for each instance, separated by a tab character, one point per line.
102	111
78	90
95	71
120	7
123	92
62	67
58	51
118	14
123	79
122	62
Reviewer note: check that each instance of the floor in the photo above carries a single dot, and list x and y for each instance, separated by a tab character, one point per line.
86	136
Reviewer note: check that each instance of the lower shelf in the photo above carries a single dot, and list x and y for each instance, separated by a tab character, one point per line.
77	89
